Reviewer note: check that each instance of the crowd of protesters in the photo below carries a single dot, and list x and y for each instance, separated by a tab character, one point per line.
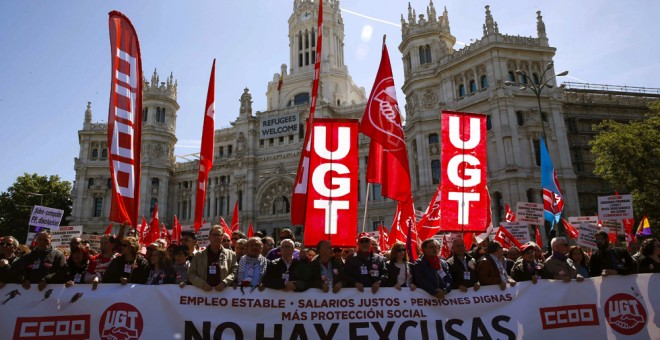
234	261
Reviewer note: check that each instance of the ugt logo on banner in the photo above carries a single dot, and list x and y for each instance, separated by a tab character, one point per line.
464	194
332	190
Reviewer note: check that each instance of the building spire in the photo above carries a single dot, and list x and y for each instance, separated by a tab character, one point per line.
88	116
154	79
540	29
411	16
430	11
490	27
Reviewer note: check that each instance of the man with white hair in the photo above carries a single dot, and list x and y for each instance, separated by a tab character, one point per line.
556	266
282	273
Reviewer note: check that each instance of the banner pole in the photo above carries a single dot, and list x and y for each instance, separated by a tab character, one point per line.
366	205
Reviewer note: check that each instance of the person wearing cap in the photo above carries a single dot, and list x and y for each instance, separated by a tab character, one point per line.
526	268
326	271
607	260
463	267
365	268
430	272
557	266
491	269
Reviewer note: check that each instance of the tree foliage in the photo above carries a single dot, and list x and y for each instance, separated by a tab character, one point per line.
16	203
628	156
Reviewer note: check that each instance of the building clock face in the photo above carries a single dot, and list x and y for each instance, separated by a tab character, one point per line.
306	16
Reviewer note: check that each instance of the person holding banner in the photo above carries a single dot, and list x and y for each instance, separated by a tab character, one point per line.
526	268
556	266
364	268
130	267
8	257
100	262
42	265
399	271
649	261
578	260
608	260
463	267
76	266
215	267
282	273
327	271
491	269
161	269
252	266
430	272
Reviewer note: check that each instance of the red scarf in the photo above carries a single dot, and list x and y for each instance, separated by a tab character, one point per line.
434	261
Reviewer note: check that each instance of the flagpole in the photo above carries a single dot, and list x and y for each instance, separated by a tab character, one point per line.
366	205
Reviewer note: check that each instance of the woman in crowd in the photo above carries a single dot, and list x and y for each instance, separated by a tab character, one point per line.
526	268
76	266
578	260
398	268
181	265
649	262
161	269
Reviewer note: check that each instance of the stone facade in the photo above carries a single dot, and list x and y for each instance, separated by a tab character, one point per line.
257	168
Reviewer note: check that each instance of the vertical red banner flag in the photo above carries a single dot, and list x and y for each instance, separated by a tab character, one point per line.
464	196
332	201
381	121
206	151
300	187
176	231
429	224
235	224
125	120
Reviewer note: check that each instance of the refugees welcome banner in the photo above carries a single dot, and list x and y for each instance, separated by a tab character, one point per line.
611	307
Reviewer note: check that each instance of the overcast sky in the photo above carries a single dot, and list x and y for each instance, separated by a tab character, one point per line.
55	57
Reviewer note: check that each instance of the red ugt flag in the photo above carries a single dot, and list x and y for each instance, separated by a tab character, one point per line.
388	157
125	120
206	151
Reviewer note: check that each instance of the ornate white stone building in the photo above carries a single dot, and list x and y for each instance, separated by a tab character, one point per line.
257	157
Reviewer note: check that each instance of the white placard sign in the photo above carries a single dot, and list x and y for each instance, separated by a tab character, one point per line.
519	230
202	233
586	236
615	207
532	213
577	220
62	237
46	217
276	126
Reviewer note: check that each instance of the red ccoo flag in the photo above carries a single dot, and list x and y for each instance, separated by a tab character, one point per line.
429	224
383	238
509	216
381	121
507	240
142	229
235	224
108	230
124	120
206	151
299	195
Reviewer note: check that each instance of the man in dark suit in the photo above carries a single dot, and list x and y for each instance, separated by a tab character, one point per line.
463	267
491	269
282	273
327	271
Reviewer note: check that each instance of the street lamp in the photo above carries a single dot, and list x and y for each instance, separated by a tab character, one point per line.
537	88
41	203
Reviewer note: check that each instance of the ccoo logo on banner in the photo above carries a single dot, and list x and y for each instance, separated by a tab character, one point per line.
332	190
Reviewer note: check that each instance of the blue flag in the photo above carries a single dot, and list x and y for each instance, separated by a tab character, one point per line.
553	202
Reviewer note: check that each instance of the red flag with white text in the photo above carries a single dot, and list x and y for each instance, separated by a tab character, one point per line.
405	212
381	121
165	234
154	227
429	224
507	240
206	151
332	200
124	120
235	224
383	238
142	229
509	215
301	185
225	227
445	250
464	195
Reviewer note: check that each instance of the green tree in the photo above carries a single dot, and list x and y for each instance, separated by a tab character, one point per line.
628	156
30	190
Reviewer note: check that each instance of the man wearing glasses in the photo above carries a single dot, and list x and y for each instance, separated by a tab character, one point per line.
7	258
42	264
215	267
609	260
556	266
282	273
365	268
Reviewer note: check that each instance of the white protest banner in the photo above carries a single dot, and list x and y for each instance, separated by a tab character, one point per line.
46	217
586	236
615	307
577	220
532	213
62	237
615	207
202	234
519	230
94	241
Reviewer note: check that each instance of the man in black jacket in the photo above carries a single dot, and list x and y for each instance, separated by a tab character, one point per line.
43	264
326	271
609	260
364	268
463	267
282	273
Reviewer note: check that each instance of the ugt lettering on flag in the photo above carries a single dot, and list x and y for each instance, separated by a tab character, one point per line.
125	120
332	197
464	202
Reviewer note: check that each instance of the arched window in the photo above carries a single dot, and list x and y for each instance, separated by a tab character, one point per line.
461	90
301	98
536	79
160	115
90	183
240	200
523	78
152	204
520	118
221	151
537	152
95	153
433	138
425	54
229	150
484	82
512	76
104	153
499	206
145	114
473	86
